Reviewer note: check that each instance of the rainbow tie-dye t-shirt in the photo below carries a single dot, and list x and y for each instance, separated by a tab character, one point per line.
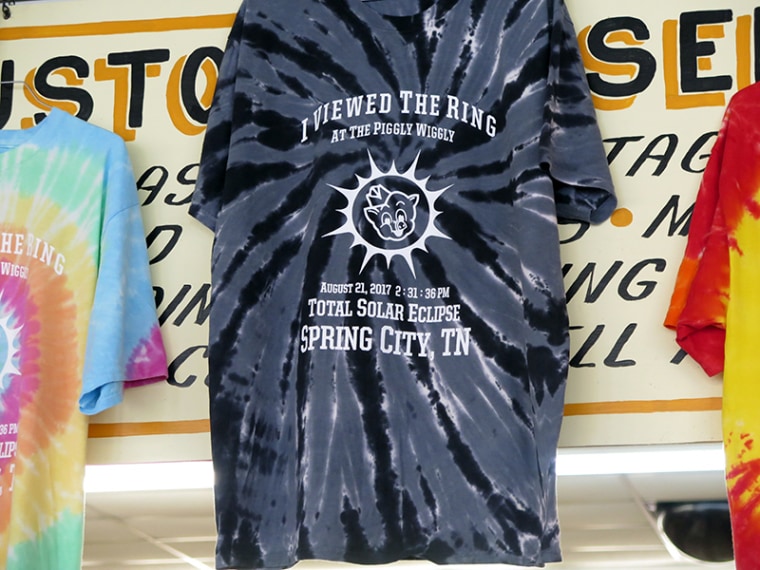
77	323
715	307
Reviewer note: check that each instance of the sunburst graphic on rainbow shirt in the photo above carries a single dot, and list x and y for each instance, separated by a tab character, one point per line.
10	351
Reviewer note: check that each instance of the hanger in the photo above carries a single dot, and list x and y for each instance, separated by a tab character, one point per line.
26	86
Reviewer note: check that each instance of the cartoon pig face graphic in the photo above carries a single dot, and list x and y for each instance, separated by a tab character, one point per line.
391	213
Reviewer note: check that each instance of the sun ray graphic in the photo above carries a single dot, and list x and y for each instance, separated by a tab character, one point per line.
9	345
353	195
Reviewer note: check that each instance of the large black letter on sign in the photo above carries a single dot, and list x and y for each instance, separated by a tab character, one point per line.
192	66
647	65
137	61
82	69
692	49
6	92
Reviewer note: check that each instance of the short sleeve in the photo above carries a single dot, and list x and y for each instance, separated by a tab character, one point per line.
571	144
208	194
699	303
701	326
124	344
702	219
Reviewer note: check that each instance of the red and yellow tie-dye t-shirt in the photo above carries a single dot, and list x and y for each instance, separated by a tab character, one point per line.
77	324
715	307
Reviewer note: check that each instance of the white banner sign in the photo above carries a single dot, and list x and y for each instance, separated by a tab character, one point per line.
661	74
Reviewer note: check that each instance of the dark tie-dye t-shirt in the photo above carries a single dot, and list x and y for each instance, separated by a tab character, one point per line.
388	332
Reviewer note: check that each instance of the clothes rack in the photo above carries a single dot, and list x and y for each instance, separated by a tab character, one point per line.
28	87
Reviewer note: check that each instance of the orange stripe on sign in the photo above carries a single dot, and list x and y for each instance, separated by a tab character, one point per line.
131	429
118	27
96	431
644	407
